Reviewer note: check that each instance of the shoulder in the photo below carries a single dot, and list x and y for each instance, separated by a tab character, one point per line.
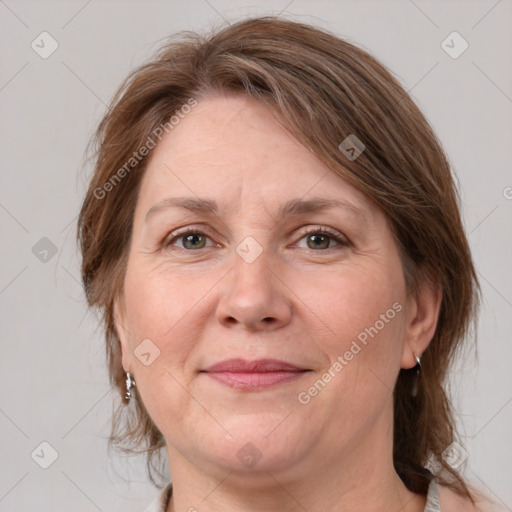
450	501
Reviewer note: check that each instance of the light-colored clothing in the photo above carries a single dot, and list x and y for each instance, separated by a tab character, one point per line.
159	504
433	504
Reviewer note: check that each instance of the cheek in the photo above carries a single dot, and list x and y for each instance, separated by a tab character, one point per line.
159	300
354	300
162	321
363	318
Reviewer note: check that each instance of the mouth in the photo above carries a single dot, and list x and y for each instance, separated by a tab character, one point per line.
254	375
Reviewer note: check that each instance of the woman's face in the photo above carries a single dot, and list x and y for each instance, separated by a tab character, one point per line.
252	282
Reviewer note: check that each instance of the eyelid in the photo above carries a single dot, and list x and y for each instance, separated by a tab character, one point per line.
333	233
196	228
337	236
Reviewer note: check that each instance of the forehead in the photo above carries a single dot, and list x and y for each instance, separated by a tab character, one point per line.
233	148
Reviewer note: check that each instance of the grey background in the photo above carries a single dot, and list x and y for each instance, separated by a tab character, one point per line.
54	386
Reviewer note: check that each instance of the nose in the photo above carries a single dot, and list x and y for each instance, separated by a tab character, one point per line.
254	297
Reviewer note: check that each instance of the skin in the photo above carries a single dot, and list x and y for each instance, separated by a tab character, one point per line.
295	302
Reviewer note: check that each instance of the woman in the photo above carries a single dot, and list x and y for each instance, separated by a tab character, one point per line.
273	235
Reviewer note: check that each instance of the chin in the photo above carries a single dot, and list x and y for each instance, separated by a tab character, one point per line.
264	443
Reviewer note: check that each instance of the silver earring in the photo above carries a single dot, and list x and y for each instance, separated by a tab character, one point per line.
130	383
414	390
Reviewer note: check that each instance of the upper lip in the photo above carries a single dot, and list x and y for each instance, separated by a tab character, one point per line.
255	366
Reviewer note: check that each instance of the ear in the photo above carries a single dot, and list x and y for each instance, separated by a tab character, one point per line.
123	333
422	316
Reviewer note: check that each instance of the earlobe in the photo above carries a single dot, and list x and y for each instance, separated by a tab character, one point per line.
423	316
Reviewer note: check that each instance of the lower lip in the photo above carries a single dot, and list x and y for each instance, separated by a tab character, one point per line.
254	380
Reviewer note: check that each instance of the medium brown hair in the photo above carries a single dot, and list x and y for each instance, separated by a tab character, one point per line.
323	89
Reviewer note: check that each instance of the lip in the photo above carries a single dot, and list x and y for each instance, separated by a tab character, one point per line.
254	375
256	366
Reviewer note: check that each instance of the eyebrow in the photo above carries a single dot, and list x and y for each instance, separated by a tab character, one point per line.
292	207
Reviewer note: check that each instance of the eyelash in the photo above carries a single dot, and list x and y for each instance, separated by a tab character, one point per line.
339	239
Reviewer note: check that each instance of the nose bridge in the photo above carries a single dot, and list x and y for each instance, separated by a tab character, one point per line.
252	267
